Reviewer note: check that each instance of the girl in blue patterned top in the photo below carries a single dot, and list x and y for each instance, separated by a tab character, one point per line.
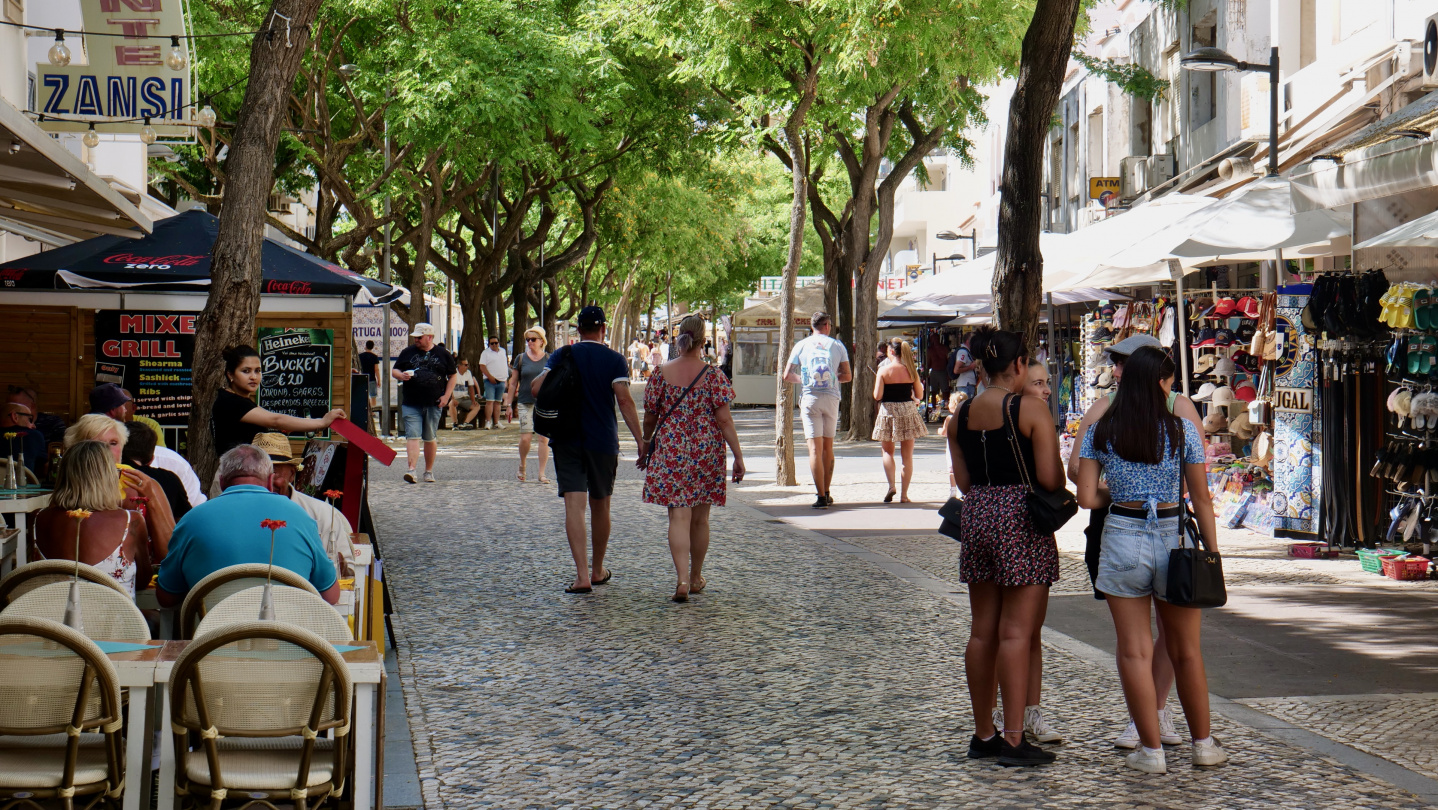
1144	450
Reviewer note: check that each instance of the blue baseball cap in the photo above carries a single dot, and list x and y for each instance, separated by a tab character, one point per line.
590	317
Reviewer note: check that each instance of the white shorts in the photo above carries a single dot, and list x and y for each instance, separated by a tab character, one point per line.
820	415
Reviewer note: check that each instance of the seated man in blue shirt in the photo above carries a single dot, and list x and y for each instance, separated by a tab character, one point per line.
226	531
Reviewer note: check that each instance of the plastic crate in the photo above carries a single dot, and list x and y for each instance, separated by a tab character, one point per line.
1371	558
1405	566
1311	551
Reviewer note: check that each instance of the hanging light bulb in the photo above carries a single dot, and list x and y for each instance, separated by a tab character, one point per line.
207	116
92	138
176	60
147	133
59	52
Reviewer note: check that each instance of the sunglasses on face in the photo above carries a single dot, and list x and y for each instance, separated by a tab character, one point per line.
531	340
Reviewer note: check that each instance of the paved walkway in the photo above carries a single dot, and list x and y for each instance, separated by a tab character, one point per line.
816	671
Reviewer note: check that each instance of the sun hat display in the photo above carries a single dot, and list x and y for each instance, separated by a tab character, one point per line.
1204	392
1245	391
1216	421
1225	367
1222	396
1205	364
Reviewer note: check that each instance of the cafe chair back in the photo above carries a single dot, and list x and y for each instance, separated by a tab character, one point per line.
227	582
292	605
105	613
261	711
30	576
59	717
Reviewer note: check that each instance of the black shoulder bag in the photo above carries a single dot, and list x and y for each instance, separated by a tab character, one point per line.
1195	574
653	445
953	510
1048	510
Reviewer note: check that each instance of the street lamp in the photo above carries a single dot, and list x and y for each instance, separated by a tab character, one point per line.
972	236
1213	60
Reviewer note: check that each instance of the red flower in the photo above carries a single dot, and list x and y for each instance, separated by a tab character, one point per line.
333	493
272	524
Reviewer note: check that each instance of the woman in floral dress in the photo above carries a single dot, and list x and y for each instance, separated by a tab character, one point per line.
684	471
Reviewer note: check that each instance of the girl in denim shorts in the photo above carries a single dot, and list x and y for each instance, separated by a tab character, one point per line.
1145	453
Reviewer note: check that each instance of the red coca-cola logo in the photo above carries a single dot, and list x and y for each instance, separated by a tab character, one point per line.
12	274
289	287
175	260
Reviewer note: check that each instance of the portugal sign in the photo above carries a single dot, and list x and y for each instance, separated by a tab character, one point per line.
126	76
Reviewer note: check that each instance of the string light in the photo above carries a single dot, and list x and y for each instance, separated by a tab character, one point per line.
147	133
59	52
176	60
92	138
206	116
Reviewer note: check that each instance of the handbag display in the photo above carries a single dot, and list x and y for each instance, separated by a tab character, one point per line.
951	512
643	462
1195	574
1049	511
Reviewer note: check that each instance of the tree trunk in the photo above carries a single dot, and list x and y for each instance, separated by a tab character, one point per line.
784	401
520	295
1018	271
234	295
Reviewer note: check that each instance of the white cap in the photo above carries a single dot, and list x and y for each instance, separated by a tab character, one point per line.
422	329
1204	392
1223	396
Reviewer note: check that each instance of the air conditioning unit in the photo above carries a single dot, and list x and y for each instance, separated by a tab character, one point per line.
1430	53
1161	169
1133	176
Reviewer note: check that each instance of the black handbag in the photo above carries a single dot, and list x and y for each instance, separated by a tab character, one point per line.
1049	511
1195	574
643	461
951	512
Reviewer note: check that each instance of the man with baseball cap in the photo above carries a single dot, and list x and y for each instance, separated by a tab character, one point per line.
333	525
1180	405
115	402
427	372
585	466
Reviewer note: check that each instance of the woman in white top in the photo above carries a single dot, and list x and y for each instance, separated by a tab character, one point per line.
113	538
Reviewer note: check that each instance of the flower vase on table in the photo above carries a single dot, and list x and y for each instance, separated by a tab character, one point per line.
11	480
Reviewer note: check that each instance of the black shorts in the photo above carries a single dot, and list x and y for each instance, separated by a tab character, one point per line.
579	470
1094	546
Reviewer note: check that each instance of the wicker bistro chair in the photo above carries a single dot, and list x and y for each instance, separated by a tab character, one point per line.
226	582
106	613
255	698
30	576
292	606
59	718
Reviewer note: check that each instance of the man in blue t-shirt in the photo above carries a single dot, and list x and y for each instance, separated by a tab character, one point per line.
226	531
586	467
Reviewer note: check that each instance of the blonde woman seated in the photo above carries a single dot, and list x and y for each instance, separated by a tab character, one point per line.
137	490
113	538
897	389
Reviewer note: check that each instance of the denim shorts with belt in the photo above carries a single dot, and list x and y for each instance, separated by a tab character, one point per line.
1134	559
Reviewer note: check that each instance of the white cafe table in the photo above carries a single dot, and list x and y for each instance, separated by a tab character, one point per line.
366	669
136	670
21	502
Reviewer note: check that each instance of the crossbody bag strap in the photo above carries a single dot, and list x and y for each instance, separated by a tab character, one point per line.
665	416
1013	428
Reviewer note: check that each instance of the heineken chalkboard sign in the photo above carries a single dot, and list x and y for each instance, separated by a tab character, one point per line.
298	372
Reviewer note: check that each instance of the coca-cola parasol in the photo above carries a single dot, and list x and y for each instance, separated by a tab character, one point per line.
176	258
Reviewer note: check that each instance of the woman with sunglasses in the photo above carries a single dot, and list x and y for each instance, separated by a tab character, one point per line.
527	365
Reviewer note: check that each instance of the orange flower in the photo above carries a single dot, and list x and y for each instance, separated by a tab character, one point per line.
272	524
80	514
333	493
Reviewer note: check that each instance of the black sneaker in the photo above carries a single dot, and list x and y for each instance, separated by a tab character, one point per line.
1023	754
820	503
985	749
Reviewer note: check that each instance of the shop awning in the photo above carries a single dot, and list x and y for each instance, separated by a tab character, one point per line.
1260	217
176	257
1392	156
50	195
1421	232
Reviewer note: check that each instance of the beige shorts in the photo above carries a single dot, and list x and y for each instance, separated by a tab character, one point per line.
526	418
820	416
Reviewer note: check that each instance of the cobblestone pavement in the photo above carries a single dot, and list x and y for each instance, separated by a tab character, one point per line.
801	678
1399	728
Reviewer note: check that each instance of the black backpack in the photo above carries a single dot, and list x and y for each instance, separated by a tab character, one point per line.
556	406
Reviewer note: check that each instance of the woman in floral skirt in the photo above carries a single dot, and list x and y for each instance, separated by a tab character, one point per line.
897	389
686	433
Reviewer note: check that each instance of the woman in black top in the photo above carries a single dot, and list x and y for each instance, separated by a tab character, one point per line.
235	419
1007	565
897	389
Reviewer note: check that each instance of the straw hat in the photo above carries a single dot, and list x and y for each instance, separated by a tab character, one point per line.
277	447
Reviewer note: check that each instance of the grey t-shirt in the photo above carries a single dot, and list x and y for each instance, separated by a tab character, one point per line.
528	370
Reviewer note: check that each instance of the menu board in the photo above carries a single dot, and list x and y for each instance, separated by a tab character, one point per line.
150	354
297	371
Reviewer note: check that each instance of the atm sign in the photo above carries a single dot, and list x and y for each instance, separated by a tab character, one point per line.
1100	186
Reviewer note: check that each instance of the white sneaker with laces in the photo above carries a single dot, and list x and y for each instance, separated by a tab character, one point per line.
1038	726
1142	760
1167	734
1129	738
428	476
1209	752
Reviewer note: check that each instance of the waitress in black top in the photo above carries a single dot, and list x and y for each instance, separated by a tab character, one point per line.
235	419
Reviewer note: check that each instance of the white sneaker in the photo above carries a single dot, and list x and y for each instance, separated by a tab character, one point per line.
1167	734
428	477
1129	738
1142	760
1038	726
1209	752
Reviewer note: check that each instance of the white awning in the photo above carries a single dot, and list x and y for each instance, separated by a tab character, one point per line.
1421	232
43	186
1393	156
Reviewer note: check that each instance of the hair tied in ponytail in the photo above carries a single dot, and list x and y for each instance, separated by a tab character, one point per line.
991	350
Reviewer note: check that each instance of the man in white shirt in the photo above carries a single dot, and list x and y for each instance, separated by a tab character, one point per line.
334	526
466	398
494	365
167	459
821	364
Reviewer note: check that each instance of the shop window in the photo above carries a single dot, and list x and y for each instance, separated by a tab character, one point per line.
1141	114
1203	86
756	359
